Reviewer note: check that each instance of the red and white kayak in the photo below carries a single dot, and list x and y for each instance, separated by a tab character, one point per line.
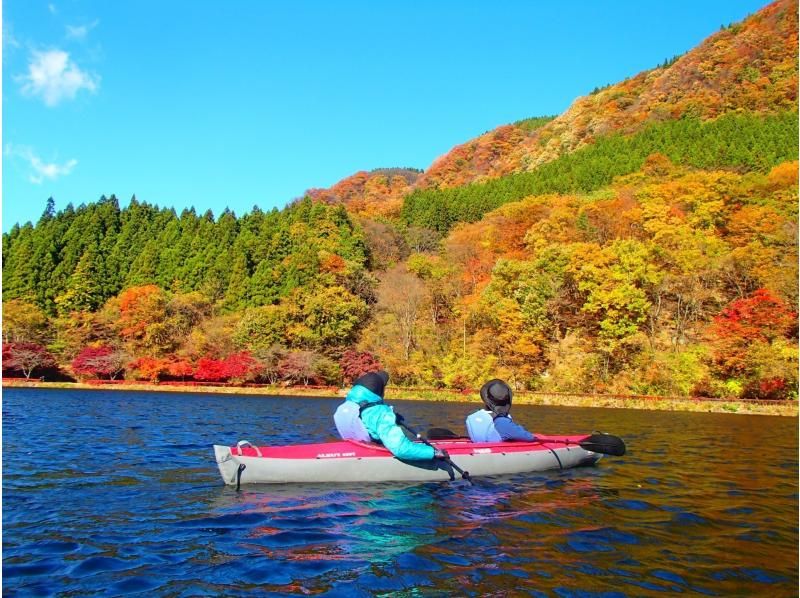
351	461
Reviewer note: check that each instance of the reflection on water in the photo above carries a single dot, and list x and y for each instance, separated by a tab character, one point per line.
112	493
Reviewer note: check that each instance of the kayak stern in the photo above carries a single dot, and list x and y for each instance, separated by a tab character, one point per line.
228	466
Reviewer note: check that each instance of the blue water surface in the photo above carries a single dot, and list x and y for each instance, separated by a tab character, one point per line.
111	493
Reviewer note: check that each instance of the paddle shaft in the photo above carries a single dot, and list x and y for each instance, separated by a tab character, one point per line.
464	474
599	442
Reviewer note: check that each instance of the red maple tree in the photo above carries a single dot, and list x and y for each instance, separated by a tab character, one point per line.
759	317
238	367
357	363
99	362
26	357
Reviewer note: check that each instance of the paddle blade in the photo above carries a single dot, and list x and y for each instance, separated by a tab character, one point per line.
608	444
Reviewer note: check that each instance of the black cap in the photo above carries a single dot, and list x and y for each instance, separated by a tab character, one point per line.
374	381
496	395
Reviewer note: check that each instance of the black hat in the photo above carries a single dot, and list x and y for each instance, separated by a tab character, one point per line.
374	381
496	395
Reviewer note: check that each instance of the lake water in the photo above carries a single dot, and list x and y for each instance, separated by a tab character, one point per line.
111	493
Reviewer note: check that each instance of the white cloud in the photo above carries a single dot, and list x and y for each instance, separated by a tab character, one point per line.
40	170
52	8
81	31
54	77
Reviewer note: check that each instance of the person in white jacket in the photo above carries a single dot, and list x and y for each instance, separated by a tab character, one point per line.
494	423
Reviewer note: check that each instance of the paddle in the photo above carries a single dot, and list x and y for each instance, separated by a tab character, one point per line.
598	442
464	474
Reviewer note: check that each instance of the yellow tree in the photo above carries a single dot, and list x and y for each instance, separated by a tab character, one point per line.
23	322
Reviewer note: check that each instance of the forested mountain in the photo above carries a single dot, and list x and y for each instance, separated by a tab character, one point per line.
645	241
748	67
739	141
378	192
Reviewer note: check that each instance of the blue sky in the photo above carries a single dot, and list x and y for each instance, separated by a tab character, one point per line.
236	104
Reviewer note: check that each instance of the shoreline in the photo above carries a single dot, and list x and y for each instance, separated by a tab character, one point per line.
778	408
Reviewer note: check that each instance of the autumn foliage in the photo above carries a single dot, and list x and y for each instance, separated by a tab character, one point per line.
357	363
137	308
238	367
152	369
26	357
748	66
99	362
748	338
376	193
759	317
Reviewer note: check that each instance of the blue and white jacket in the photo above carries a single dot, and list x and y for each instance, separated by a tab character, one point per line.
376	422
481	427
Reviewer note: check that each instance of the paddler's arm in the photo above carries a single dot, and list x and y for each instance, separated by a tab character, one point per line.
381	421
508	430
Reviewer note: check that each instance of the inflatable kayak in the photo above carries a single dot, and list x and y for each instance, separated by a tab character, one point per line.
352	461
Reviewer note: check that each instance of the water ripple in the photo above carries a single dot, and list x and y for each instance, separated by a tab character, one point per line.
131	504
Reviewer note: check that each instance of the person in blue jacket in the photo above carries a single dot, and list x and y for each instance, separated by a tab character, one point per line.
494	424
365	417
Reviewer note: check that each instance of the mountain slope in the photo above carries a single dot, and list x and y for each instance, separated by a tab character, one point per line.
379	191
751	66
747	67
743	142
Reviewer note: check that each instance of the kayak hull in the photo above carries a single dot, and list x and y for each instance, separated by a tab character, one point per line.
349	461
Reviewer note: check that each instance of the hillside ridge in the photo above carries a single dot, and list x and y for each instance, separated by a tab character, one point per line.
749	66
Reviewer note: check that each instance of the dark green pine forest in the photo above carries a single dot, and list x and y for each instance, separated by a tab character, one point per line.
78	258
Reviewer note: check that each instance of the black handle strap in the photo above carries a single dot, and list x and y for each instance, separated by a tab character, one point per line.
464	474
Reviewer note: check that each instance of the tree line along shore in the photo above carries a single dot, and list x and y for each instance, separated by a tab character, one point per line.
655	403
